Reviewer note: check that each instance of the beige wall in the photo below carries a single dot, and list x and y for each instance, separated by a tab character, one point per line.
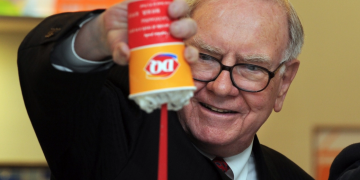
325	91
17	139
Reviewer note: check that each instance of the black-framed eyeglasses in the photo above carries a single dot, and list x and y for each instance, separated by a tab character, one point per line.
245	77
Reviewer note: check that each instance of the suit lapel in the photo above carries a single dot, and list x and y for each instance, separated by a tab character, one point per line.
185	162
262	170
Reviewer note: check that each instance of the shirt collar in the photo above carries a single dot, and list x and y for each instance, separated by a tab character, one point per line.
237	163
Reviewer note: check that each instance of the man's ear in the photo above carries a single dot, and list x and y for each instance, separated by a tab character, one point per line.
285	80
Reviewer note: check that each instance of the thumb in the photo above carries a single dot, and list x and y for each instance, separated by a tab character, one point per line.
121	54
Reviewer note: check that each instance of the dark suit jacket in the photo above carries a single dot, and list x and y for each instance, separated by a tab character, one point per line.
346	165
88	129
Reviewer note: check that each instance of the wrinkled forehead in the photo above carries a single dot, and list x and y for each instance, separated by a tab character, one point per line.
243	25
196	3
239	15
271	10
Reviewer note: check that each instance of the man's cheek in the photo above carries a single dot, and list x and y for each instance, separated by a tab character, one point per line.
199	85
185	114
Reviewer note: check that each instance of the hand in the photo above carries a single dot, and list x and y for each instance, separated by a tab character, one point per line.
106	35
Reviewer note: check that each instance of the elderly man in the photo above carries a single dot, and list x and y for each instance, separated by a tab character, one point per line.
88	129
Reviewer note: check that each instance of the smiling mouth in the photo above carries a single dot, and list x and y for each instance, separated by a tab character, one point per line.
216	109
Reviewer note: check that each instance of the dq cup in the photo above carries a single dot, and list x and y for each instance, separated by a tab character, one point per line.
157	69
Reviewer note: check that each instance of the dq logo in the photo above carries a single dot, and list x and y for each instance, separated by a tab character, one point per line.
161	66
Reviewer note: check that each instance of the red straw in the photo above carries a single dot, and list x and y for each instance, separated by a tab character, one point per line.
163	144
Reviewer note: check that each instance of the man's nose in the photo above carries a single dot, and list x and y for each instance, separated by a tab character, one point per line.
222	86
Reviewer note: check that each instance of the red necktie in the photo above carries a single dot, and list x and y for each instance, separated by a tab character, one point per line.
221	164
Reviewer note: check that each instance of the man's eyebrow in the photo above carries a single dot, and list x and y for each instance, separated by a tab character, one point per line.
257	58
199	43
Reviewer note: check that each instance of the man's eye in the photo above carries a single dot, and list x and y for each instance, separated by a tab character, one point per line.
206	57
252	67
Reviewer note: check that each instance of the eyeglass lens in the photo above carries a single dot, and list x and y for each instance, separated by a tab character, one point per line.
247	77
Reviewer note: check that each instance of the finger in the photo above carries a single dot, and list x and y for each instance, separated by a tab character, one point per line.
191	54
178	9
121	54
183	28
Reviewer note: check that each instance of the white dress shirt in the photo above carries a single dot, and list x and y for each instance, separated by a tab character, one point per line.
64	57
242	165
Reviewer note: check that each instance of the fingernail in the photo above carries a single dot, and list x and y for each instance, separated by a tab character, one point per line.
191	54
119	56
174	9
176	28
124	51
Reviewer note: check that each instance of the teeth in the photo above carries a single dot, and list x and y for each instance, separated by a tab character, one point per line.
217	110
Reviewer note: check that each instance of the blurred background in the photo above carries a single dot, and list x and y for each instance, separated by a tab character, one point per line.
318	119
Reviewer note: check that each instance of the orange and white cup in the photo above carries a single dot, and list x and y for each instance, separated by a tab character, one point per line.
157	69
